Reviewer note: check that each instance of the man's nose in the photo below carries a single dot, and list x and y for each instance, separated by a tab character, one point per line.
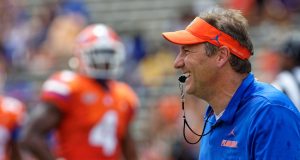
178	63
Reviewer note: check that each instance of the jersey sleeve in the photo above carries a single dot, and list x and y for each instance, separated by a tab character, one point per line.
130	98
13	111
275	134
58	90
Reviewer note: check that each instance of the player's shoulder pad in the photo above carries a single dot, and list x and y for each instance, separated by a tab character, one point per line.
12	105
61	82
127	92
65	76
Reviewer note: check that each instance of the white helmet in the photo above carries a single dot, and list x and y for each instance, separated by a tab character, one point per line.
100	52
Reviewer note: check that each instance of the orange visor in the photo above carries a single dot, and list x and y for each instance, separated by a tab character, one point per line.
200	31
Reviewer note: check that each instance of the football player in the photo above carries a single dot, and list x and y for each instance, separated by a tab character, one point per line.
88	111
11	114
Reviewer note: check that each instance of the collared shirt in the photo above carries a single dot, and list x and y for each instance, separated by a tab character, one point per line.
217	116
259	122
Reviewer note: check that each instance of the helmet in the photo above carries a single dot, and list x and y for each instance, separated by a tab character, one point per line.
100	52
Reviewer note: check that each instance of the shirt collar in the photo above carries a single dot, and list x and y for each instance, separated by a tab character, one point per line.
233	105
219	115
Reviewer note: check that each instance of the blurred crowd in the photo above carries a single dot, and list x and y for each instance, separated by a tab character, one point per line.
34	44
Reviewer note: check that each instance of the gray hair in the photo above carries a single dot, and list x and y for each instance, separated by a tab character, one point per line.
233	23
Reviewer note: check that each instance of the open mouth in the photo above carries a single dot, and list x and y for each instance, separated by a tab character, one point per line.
187	74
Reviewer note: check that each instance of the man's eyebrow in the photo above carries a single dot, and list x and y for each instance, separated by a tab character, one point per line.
184	48
188	48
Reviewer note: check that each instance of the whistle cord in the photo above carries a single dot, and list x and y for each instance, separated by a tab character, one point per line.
185	123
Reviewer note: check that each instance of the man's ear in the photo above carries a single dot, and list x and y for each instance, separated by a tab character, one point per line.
222	56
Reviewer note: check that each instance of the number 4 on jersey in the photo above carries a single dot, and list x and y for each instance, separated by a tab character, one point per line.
104	133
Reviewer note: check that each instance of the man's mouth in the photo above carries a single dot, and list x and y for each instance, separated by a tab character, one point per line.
187	74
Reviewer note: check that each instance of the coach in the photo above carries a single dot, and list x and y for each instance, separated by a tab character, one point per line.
246	119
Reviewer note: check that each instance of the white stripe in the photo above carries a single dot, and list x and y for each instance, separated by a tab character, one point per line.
67	76
101	31
11	105
56	87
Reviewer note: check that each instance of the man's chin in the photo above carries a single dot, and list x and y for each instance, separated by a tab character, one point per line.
189	91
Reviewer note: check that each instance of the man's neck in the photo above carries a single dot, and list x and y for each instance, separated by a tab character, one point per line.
224	92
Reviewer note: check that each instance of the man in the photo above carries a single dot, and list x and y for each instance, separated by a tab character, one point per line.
246	119
11	115
89	112
288	80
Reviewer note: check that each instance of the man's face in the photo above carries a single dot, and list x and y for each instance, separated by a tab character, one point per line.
198	67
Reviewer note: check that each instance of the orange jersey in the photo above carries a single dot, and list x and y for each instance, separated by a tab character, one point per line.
94	120
11	114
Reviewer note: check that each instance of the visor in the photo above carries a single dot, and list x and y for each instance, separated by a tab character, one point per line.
199	31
